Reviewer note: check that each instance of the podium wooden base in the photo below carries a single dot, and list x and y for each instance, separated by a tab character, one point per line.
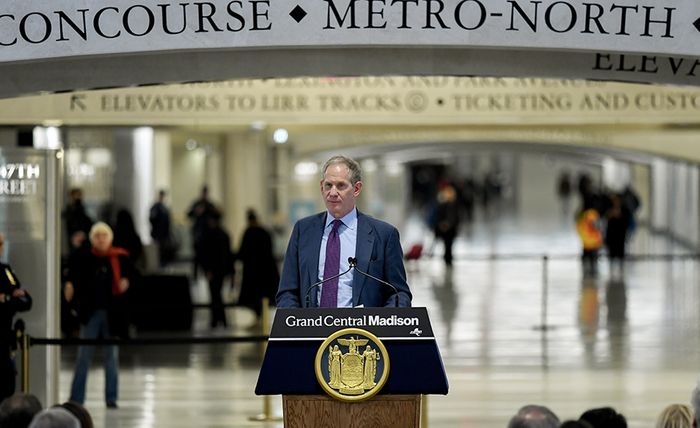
317	411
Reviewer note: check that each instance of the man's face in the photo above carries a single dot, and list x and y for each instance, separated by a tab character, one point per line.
339	194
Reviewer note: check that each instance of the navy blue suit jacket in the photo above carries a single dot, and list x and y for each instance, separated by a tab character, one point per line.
378	252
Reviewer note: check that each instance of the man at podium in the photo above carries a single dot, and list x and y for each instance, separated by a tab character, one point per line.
342	257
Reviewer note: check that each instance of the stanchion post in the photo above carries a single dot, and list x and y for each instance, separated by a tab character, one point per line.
25	363
545	293
545	290
424	411
266	415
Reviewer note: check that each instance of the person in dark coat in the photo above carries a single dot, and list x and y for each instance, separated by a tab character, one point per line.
216	261
618	220
13	299
75	216
447	220
126	237
159	217
99	278
260	274
201	210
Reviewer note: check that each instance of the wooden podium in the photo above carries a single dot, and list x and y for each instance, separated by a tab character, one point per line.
289	367
386	411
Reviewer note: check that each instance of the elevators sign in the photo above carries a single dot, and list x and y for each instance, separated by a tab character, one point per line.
352	365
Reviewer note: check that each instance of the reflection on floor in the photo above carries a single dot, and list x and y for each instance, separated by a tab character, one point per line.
628	341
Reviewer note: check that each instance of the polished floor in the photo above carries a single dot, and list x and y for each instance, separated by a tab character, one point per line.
628	340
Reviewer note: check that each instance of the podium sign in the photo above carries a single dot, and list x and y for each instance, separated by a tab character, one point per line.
297	339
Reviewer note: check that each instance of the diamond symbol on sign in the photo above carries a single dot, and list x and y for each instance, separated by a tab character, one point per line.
298	13
697	24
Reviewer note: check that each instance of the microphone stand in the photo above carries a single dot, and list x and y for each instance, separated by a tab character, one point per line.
353	264
317	284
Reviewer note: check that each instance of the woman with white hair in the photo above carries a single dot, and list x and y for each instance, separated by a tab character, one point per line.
675	416
695	402
98	280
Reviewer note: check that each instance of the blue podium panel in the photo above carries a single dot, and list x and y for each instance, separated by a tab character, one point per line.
297	334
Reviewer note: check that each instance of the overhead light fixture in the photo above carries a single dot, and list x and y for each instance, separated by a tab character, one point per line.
258	125
305	169
47	137
280	136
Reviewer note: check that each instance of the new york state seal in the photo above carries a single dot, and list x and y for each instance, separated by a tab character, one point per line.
352	365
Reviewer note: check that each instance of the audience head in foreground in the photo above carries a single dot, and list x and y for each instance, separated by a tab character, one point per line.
604	417
695	402
55	417
675	416
17	410
575	424
534	416
79	412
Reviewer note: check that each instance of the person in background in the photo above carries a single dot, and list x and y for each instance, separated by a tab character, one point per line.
18	410
125	236
13	299
534	416
75	216
632	203
99	280
159	217
217	263
591	240
564	191
447	223
616	229
260	273
468	196
199	213
676	416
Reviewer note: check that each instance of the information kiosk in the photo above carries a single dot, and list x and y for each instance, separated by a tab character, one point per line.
352	367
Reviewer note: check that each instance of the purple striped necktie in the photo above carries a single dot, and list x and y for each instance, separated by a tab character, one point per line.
329	290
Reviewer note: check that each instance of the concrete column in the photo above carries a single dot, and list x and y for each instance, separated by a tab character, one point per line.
246	179
133	181
660	190
162	162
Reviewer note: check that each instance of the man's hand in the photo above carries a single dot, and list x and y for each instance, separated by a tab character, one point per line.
68	291
18	292
123	285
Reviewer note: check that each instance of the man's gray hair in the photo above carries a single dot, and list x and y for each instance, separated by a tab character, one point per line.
695	402
533	416
55	417
353	166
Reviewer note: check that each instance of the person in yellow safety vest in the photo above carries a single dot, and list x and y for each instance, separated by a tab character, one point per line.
591	239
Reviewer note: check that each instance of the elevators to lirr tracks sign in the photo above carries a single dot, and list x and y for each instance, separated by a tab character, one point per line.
31	29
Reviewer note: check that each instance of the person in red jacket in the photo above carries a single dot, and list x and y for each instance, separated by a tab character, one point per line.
99	278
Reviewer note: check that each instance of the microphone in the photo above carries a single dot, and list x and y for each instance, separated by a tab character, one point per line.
308	293
353	264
